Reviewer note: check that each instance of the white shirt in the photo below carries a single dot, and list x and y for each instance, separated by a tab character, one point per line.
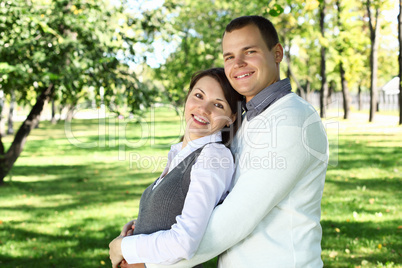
211	177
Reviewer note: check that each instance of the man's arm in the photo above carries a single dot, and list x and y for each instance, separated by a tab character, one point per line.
257	191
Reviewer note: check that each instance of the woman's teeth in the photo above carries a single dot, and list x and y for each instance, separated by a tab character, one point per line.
200	119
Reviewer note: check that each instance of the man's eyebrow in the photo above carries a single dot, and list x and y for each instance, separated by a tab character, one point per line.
227	54
249	47
243	49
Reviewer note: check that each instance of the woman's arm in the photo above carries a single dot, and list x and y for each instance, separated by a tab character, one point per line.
210	179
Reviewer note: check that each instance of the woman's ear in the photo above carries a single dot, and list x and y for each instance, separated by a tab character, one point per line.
232	118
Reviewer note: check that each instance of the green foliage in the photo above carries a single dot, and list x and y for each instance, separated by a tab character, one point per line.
64	203
73	44
195	28
198	27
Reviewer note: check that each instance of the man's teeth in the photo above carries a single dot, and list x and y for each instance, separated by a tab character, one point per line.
243	75
200	120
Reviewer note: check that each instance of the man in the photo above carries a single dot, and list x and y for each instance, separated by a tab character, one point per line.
271	218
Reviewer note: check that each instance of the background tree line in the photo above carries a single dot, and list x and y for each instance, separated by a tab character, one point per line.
73	51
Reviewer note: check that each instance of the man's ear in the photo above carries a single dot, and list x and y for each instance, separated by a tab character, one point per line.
278	50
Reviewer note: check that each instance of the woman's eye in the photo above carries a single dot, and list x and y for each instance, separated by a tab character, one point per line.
198	95
219	105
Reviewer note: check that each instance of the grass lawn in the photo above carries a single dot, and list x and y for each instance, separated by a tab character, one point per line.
76	184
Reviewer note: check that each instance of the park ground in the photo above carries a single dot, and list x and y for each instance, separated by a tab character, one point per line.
77	183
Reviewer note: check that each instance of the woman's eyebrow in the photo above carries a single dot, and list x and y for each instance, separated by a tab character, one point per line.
218	99
201	90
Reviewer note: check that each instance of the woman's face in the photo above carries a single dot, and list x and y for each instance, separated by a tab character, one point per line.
206	110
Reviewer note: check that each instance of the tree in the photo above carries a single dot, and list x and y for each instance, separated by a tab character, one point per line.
299	36
350	48
10	122
374	26
64	47
196	28
324	84
344	83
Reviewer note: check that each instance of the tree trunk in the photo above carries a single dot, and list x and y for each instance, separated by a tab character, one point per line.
308	90
10	121
374	31
2	123
345	93
400	60
291	74
8	159
53	120
344	83
324	84
70	113
331	89
359	96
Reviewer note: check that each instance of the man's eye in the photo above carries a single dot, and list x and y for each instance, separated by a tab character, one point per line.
228	58
250	51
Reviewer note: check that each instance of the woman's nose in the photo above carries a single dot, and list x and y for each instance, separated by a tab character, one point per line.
205	108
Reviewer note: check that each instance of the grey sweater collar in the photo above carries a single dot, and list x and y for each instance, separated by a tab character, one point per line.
266	97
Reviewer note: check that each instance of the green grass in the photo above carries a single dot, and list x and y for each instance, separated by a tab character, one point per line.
70	192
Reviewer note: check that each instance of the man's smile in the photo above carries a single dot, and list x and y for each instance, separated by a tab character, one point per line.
244	75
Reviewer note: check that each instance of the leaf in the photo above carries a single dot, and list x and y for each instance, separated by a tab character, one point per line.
6	68
276	10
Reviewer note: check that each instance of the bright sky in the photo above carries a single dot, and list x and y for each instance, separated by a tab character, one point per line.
161	48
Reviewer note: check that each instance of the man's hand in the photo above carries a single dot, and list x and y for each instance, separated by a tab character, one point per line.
128	228
124	264
115	254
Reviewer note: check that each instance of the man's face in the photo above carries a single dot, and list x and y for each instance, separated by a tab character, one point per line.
249	65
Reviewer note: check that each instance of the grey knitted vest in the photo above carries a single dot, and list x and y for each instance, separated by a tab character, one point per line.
160	206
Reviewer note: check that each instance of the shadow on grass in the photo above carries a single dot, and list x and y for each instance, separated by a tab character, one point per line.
361	155
341	236
378	184
77	184
74	239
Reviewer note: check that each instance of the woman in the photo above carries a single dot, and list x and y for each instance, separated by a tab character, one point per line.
174	211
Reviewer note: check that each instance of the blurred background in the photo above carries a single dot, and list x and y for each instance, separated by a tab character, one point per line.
90	101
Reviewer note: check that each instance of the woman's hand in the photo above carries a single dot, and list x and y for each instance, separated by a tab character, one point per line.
128	228
124	264
115	254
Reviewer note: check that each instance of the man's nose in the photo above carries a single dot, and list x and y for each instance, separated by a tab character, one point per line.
239	62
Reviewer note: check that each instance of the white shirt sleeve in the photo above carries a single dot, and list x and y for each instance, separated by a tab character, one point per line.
211	176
